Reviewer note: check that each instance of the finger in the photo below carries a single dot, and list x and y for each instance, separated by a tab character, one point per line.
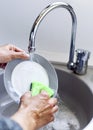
48	110
45	109
17	49
44	94
21	55
13	47
52	101
26	96
54	109
46	119
25	100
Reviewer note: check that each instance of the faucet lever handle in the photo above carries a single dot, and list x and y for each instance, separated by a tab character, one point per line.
81	61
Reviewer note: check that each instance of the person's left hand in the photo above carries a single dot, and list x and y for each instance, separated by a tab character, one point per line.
9	52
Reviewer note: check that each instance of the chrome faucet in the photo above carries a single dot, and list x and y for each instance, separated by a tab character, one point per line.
78	67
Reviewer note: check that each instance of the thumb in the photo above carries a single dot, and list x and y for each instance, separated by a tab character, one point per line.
22	55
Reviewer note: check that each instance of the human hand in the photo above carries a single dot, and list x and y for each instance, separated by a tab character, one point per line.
9	52
35	112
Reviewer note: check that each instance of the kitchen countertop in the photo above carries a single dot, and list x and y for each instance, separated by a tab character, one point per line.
60	57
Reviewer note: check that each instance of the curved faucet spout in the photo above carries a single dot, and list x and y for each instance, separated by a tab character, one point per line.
49	8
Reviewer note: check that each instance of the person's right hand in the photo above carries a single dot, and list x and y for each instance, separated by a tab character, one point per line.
35	112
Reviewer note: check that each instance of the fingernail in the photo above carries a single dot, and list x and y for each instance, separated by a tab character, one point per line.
45	94
28	94
26	54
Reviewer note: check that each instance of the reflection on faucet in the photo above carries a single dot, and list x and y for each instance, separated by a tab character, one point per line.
31	48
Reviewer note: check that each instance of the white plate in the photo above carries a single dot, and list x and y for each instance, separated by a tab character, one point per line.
25	73
46	74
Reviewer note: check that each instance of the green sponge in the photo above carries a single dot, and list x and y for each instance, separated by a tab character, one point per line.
37	87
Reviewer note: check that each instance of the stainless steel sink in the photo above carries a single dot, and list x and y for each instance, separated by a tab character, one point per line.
7	105
75	96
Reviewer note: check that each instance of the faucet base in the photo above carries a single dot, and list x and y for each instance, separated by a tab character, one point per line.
71	65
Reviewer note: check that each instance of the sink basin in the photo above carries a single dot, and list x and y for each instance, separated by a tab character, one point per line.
7	105
75	101
78	98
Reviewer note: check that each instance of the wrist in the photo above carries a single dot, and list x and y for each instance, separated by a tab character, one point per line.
24	122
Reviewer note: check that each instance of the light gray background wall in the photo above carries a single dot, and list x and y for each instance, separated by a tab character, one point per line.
53	36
